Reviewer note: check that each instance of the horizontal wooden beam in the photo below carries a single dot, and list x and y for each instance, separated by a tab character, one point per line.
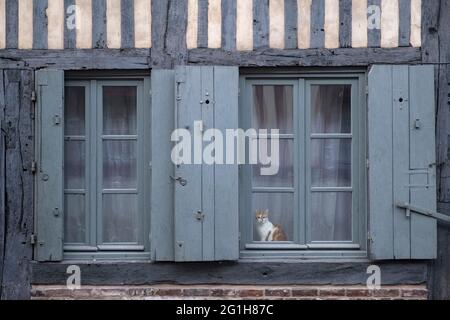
77	59
268	273
308	57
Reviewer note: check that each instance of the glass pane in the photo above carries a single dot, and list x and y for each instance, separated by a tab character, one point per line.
285	175
120	223
331	108
119	110
119	164
74	218
280	209
74	164
331	216
331	164
74	111
273	107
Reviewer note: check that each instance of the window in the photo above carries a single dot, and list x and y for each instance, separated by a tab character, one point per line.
105	155
317	196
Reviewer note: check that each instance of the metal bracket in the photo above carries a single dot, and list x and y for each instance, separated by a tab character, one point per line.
428	213
419	172
200	216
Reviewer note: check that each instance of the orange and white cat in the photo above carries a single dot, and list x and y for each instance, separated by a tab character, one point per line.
266	230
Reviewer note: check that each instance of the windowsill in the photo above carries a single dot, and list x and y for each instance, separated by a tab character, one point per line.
321	255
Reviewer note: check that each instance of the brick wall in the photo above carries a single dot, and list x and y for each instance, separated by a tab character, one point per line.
232	292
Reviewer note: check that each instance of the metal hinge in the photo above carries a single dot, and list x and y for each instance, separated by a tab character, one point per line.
33	239
367	90
33	96
367	163
33	167
369	236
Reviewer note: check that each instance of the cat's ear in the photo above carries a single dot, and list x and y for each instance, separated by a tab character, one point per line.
266	212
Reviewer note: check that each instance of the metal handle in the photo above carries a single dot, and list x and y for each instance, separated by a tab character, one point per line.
183	182
428	213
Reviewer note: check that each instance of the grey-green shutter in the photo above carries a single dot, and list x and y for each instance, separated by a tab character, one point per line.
206	208
50	152
162	203
401	161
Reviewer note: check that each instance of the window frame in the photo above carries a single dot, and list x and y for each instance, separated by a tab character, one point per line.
93	83
304	249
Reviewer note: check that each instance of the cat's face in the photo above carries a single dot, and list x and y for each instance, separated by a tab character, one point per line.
262	216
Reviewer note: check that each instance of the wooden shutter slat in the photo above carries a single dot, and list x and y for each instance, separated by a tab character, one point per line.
49	207
162	190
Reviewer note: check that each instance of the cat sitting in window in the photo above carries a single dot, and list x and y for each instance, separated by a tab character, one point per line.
266	230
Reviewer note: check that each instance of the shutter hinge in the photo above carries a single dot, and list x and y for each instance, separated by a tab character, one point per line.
33	239
369	236
367	163
33	96
33	167
367	90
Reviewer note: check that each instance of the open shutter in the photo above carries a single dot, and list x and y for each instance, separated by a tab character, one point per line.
49	179
402	162
206	196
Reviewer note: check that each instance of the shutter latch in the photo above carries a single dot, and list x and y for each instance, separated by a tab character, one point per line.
200	216
183	182
428	213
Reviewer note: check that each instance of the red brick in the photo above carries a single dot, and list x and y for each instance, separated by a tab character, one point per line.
298	292
358	293
333	292
278	292
169	292
250	293
223	293
196	292
386	293
415	293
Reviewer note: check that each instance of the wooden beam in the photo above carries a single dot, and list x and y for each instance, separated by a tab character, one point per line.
309	57
244	273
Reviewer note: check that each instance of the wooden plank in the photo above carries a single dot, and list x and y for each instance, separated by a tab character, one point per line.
49	178
331	24
99	33
2	24
226	177
188	198
345	25
127	26
208	111
311	57
374	25
390	23
143	23
25	29
175	40
318	24
84	24
380	157
416	23
229	26
113	24
40	23
402	236
202	36
192	27
291	20
276	24
70	32
12	24
215	24
405	23
304	23
359	24
244	25
271	273
55	16
162	205
2	180
18	185
261	24
422	107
